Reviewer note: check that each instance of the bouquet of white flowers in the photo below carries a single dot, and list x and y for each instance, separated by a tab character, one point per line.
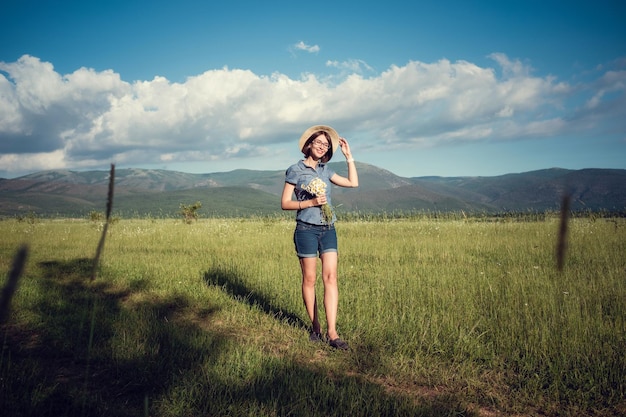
318	187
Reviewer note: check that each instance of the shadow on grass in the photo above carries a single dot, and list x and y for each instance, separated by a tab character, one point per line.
234	285
89	352
300	391
95	350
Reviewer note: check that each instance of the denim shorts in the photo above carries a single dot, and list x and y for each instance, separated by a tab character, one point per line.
311	239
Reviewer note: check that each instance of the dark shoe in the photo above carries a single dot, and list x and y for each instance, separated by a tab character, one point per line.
315	337
338	344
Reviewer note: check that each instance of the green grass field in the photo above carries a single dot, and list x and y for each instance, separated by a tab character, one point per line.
445	317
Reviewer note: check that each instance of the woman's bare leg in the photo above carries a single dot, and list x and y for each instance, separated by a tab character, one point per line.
309	275
331	292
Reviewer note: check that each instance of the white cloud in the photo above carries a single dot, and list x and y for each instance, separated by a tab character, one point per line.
511	68
90	119
351	66
301	46
40	161
612	82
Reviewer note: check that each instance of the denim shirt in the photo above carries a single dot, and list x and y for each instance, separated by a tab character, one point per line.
300	175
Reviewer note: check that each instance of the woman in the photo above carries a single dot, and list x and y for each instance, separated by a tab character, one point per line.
315	231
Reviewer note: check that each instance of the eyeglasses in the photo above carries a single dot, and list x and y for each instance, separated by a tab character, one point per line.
320	144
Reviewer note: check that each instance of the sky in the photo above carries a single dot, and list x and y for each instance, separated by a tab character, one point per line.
429	88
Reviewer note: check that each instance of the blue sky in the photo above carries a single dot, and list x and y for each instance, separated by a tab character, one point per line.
449	88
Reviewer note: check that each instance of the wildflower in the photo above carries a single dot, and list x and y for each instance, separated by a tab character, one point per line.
318	187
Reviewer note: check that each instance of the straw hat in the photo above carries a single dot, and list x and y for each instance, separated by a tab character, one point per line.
334	136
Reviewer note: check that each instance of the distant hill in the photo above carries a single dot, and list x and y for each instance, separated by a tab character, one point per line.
159	193
590	189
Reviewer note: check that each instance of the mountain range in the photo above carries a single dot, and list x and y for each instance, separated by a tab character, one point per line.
242	192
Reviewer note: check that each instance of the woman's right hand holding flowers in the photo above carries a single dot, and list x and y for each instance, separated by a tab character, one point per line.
320	200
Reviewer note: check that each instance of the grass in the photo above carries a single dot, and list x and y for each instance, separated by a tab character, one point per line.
445	316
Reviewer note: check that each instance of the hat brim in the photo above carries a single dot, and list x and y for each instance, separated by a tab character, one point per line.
334	136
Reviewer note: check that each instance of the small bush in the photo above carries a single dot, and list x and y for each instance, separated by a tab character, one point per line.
190	213
96	216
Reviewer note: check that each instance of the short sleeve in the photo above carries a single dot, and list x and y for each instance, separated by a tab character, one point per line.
329	172
291	175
